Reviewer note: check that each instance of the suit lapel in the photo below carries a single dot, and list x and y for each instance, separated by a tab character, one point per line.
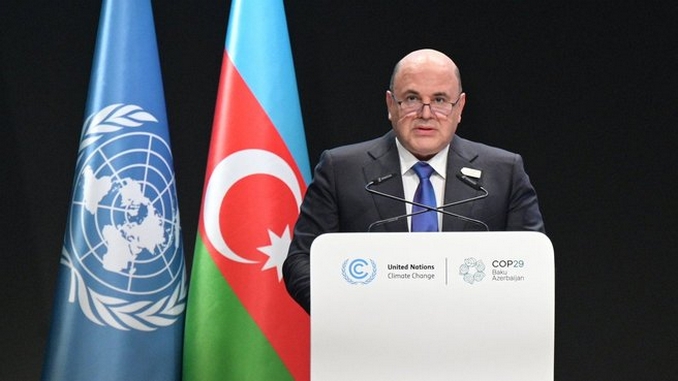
459	156
385	161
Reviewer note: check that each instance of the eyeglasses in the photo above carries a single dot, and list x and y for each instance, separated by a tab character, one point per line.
414	104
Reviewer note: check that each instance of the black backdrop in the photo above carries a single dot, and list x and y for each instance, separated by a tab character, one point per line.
585	91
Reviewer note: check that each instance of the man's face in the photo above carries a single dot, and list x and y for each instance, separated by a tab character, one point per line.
424	132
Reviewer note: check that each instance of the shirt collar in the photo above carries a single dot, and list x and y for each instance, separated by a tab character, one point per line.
407	160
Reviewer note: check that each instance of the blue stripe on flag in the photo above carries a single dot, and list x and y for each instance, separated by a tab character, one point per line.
263	56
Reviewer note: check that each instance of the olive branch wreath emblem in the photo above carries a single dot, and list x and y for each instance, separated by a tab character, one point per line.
111	119
121	314
350	279
106	310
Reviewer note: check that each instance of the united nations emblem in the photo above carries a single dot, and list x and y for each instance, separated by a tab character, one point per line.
123	245
359	271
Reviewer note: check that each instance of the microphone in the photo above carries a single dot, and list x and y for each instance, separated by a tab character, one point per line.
440	209
380	180
472	183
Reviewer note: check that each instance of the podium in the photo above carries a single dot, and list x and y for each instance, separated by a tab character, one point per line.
432	306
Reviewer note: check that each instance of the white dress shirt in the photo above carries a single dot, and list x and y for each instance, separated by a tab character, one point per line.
411	180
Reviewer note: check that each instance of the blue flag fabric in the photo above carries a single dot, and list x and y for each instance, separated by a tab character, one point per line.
262	54
121	290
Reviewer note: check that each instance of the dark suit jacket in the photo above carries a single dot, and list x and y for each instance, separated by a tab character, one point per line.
336	199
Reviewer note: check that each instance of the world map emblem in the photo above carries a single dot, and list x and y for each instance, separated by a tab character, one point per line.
123	245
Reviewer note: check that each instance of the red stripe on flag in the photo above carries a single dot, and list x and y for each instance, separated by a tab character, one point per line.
253	208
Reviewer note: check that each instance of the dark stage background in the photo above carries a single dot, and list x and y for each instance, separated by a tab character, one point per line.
586	92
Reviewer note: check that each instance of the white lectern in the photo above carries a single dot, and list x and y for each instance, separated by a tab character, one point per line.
432	306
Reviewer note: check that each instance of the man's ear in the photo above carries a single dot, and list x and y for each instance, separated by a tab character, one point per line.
389	103
460	104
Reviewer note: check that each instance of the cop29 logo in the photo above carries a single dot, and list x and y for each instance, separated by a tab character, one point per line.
359	271
472	270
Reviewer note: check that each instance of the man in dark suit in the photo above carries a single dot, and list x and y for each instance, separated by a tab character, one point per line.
425	103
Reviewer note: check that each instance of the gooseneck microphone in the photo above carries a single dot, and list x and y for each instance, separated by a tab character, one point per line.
440	209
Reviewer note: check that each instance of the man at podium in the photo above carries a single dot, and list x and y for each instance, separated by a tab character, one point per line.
420	176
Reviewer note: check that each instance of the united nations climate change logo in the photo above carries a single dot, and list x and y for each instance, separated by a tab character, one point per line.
123	245
359	271
472	270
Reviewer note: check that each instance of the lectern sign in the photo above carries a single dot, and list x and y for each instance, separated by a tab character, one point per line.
422	306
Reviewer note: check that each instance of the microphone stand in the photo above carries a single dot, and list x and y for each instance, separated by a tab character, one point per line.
426	208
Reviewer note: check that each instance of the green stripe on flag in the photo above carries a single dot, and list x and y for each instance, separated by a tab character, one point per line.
221	341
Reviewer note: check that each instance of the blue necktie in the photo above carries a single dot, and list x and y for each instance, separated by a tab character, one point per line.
428	221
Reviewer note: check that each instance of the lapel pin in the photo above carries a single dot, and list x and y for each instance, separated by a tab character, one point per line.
470	172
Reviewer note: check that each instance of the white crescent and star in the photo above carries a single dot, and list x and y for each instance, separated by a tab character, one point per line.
230	170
